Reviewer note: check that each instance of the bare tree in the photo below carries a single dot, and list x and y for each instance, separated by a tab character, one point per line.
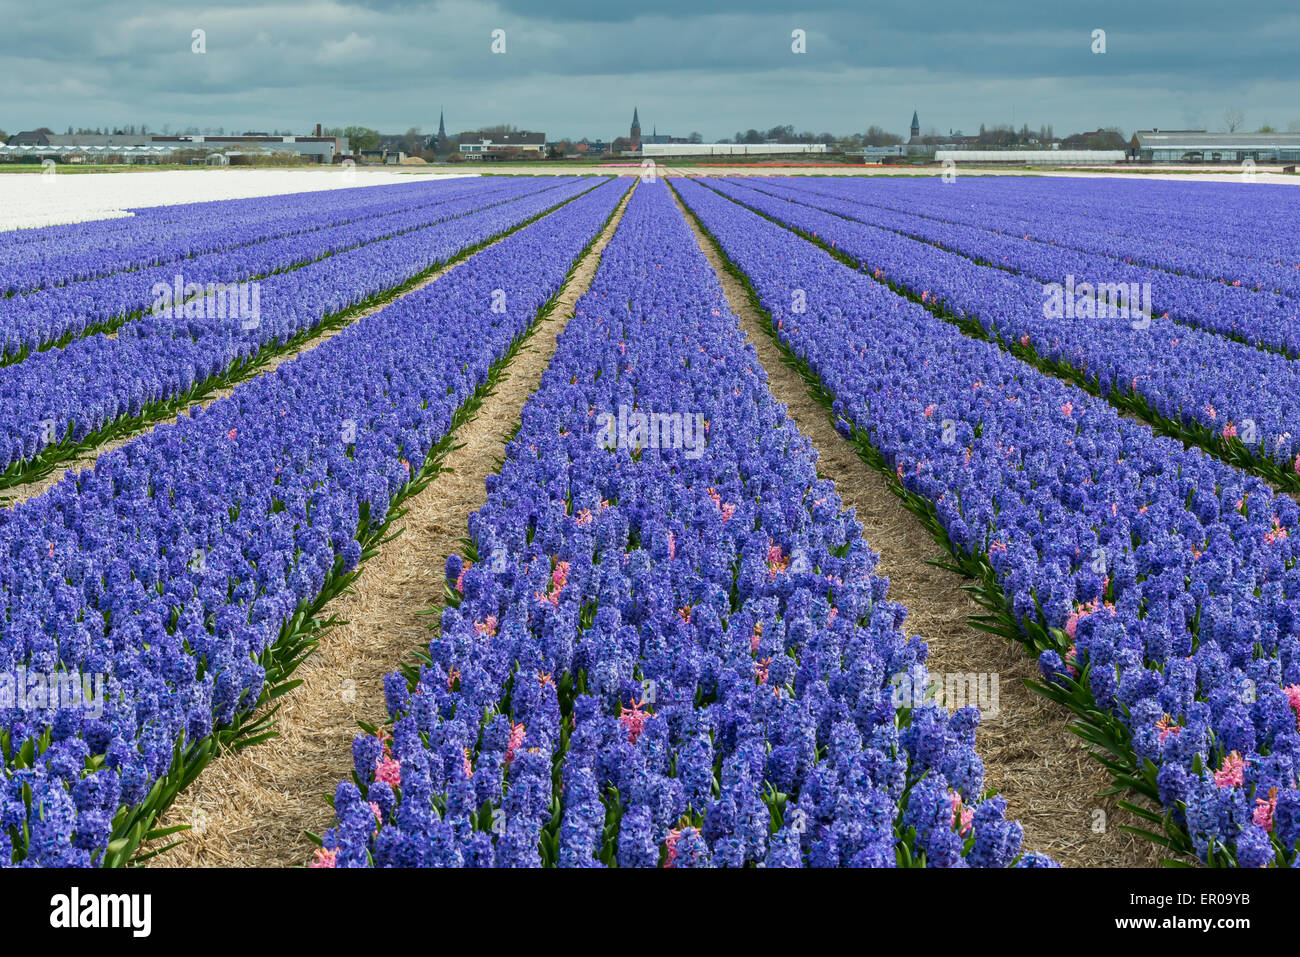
878	136
413	141
1233	118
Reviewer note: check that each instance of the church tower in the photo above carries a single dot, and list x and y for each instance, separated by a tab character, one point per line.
916	126
636	130
440	144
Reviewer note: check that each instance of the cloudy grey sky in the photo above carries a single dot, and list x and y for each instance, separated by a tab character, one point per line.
573	68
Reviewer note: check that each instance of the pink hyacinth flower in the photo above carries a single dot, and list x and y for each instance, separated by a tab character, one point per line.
671	845
324	858
1292	693
1232	773
1264	810
961	816
633	720
388	770
516	741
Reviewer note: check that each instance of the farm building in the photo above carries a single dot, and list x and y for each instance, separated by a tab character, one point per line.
316	149
148	148
382	154
1033	157
881	152
1199	146
483	145
34	146
729	149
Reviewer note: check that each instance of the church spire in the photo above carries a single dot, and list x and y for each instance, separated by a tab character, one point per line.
636	122
440	141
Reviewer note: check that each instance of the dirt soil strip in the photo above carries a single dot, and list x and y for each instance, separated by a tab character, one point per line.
21	493
253	808
1051	784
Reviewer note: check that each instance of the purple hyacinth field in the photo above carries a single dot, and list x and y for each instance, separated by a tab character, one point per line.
655	517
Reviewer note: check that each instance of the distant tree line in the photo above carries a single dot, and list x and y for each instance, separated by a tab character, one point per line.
782	134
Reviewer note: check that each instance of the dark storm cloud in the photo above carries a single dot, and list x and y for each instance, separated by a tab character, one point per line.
576	69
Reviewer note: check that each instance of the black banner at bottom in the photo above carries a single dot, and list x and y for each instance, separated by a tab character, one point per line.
143	906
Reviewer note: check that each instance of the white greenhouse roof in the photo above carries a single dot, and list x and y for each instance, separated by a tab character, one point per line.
1047	157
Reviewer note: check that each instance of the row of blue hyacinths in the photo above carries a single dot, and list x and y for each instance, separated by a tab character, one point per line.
188	568
665	653
1158	585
